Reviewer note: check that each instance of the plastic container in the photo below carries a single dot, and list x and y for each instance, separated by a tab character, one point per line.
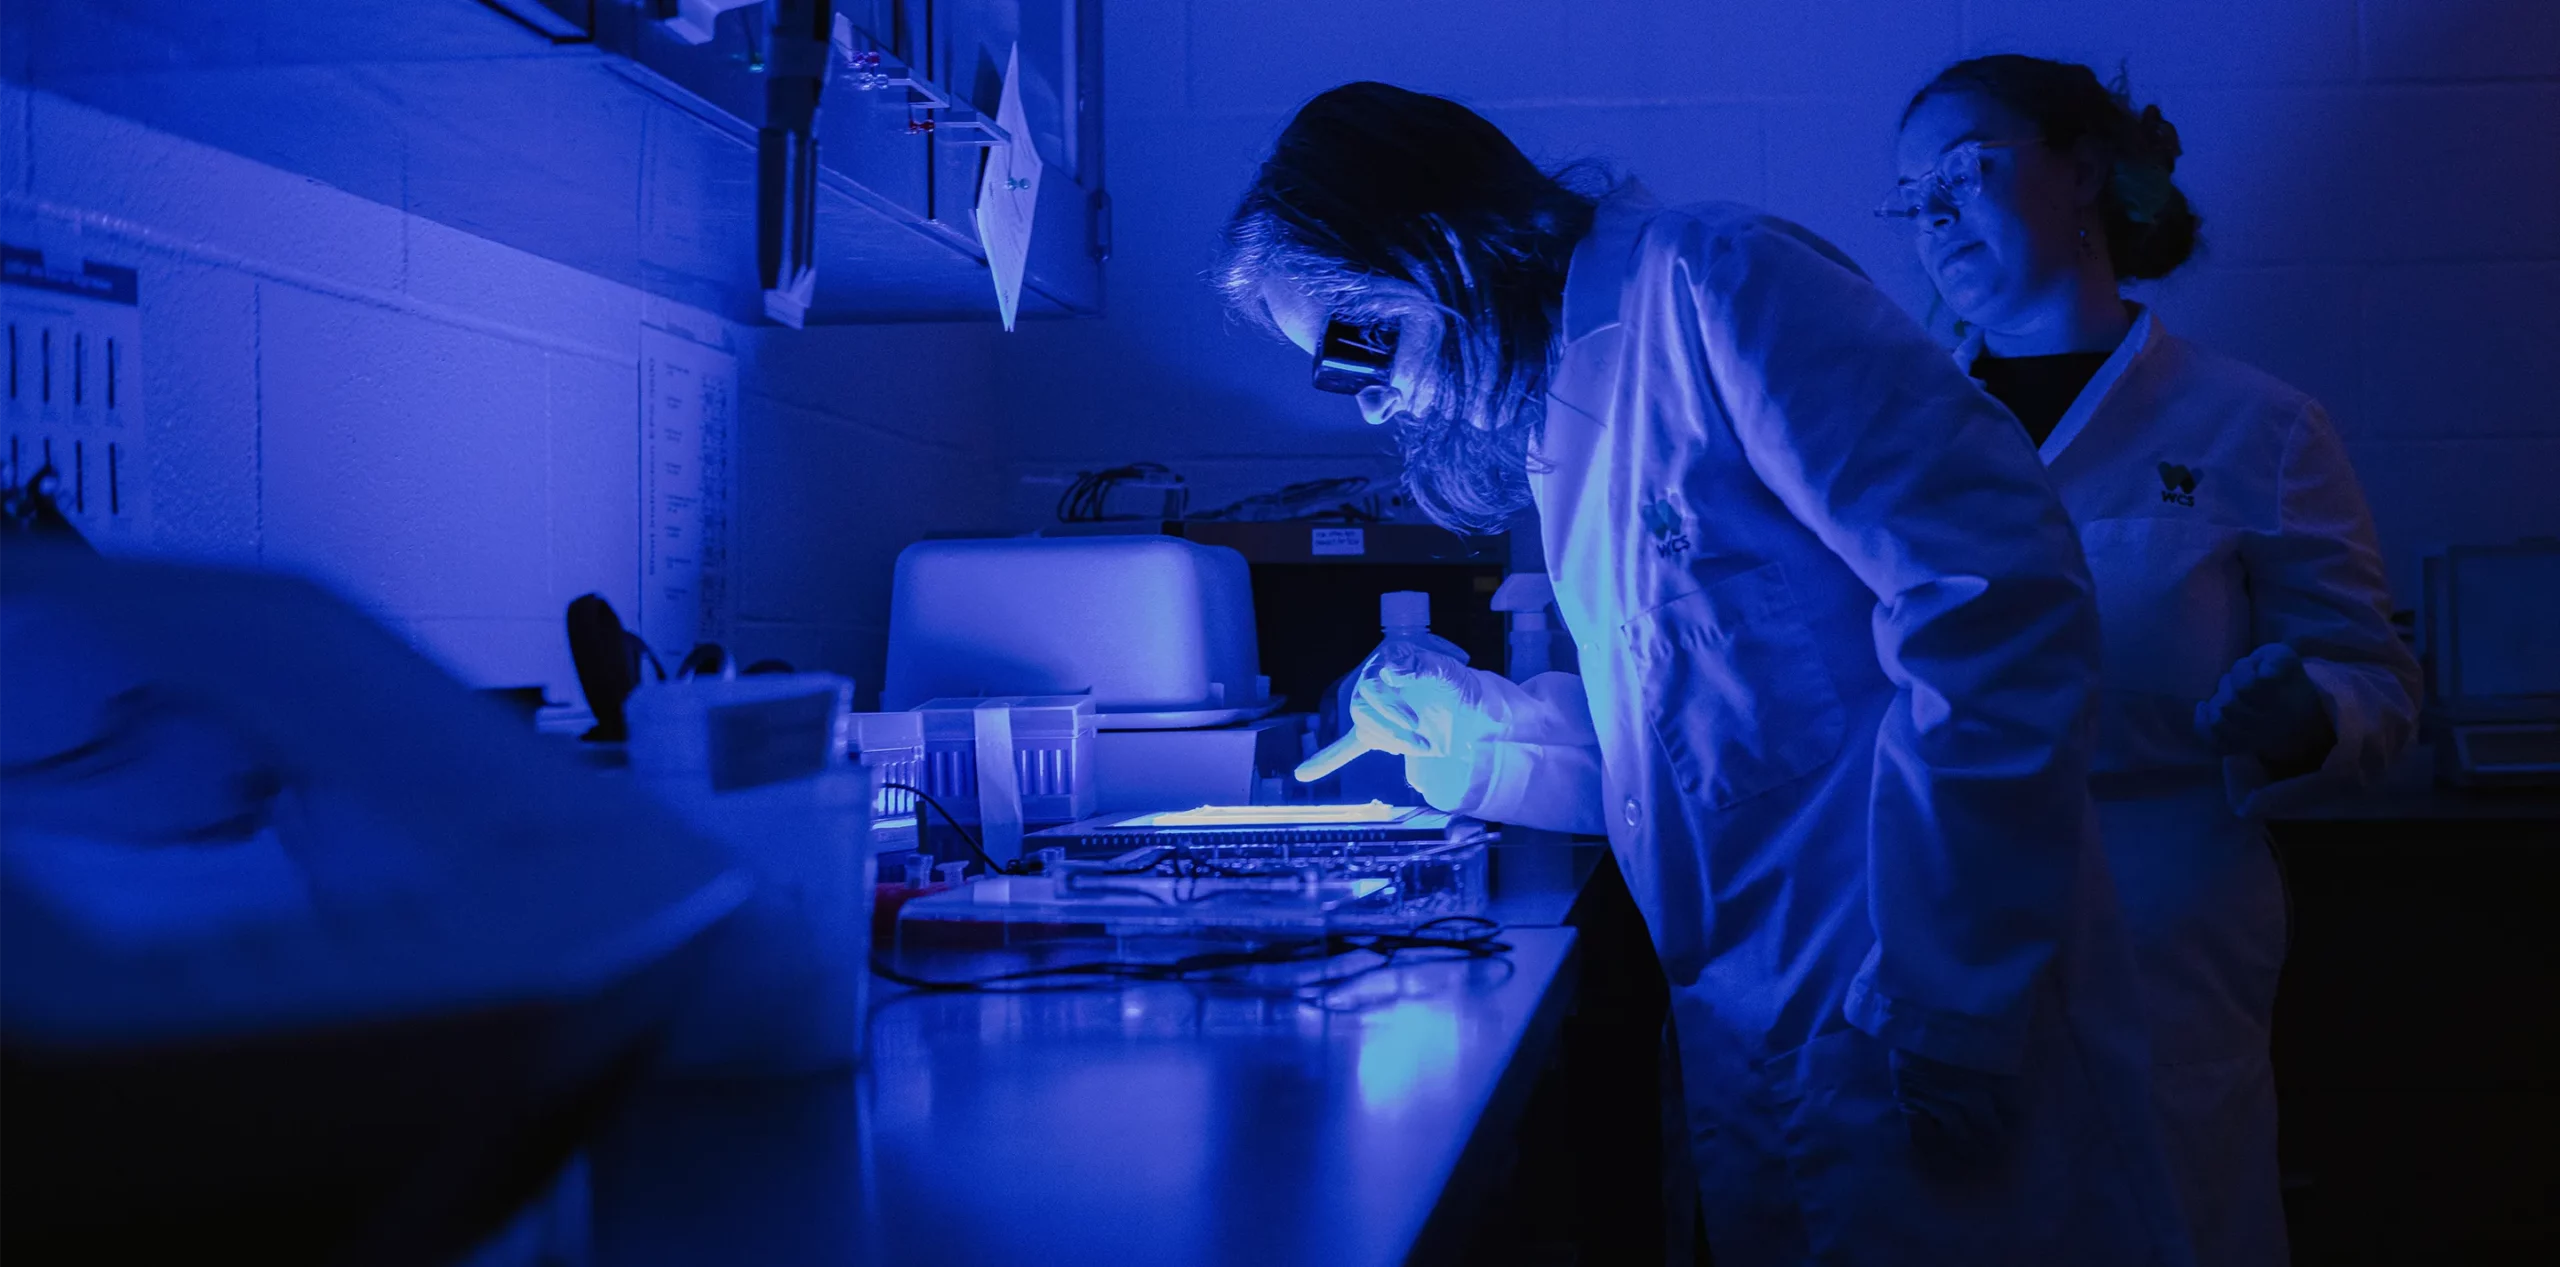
758	763
1525	597
1157	629
1404	617
892	745
1051	739
740	732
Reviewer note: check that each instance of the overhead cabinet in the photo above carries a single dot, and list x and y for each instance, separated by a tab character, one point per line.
792	160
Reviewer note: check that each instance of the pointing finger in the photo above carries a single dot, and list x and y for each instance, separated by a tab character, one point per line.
1333	756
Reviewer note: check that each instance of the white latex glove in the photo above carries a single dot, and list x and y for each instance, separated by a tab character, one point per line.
1413	702
2267	706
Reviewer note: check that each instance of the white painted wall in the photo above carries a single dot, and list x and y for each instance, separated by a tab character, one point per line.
2381	182
448	430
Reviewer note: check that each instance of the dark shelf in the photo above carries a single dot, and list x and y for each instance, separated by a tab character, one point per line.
631	155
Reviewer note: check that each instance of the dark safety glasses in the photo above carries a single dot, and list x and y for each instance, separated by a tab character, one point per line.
1352	356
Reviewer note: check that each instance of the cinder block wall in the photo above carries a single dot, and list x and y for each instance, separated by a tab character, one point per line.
448	430
2379	180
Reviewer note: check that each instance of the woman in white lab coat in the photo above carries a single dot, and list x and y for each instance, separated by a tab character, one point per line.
2250	660
1838	654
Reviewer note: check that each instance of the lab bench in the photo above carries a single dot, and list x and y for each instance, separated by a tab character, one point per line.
2417	1060
1509	1111
1439	1108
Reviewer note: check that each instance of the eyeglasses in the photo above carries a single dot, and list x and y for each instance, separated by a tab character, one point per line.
1352	356
1956	178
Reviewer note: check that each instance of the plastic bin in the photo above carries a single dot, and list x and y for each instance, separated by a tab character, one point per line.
758	763
1051	738
892	745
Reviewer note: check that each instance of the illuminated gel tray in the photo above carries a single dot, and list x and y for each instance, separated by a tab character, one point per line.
1223	825
1408	864
1216	877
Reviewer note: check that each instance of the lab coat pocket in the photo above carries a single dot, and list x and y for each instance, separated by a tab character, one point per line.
1858	1179
2173	606
2056	1192
1734	687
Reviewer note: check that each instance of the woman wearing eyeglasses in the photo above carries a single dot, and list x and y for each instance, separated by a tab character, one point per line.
2250	661
1837	648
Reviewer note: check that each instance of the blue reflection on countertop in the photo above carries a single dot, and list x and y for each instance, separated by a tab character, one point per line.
1404	1046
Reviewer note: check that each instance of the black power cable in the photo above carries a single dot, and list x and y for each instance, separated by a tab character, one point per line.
1087	499
1447	939
1355	497
1018	868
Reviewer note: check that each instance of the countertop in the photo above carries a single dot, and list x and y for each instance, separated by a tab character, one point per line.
1147	1124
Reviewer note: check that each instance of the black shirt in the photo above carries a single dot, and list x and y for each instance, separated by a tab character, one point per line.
2038	389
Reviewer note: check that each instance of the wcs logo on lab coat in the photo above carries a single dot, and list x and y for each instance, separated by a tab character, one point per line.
2178	484
1662	519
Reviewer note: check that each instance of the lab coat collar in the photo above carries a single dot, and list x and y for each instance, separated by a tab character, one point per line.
1596	278
2137	340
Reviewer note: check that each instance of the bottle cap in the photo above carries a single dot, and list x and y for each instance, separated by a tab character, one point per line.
1405	609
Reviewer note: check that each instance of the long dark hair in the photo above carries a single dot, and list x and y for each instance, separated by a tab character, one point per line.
2151	229
1371	182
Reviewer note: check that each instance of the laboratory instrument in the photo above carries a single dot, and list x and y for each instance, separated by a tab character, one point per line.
1049	740
1167	882
2491	647
1159	631
1142	769
997	763
892	745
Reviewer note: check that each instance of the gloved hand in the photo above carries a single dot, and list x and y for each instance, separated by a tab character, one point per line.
2267	706
1955	1115
1411	701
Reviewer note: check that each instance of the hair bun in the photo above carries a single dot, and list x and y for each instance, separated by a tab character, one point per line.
2161	135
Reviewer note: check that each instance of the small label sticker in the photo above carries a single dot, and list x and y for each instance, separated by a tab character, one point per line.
1337	541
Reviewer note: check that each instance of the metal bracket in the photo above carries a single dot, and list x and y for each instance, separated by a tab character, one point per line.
870	70
787	161
787	222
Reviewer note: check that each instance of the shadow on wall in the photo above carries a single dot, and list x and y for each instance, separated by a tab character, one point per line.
2415	296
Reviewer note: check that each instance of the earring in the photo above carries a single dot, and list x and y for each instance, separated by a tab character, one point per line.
2086	248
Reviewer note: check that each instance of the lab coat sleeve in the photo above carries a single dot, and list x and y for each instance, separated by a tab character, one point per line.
1540	767
2316	584
1984	620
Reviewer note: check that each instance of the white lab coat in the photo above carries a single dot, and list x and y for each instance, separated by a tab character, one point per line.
2219	513
1840	655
